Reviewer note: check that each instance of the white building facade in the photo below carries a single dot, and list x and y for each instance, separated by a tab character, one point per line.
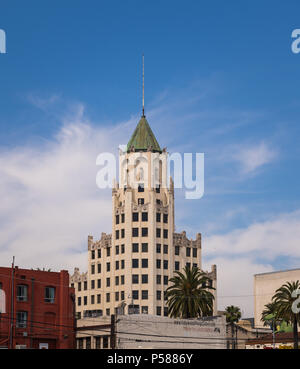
129	270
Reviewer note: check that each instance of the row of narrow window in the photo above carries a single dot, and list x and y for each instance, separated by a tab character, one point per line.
121	249
144	217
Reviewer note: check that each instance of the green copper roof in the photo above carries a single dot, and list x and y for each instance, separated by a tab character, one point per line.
143	138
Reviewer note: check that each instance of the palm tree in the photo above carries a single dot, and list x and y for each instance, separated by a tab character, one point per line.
189	296
269	315
233	315
284	299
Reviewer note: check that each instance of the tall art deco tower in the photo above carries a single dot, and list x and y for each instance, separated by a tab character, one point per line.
129	270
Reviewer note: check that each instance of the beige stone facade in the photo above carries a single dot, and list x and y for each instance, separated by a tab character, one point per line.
265	285
129	270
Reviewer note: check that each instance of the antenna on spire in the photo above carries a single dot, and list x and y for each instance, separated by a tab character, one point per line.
143	89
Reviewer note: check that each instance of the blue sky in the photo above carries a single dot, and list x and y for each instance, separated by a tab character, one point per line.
220	79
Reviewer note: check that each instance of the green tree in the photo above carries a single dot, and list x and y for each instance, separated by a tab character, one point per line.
233	315
284	299
189	295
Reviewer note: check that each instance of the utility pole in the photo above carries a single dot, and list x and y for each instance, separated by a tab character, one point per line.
112	332
11	328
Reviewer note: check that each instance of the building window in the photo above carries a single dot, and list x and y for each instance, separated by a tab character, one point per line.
85	285
141	201
108	297
144	247
194	252
107	282
135	247
144	278
144	232
166	279
98	283
99	253
99	268
158	310
98	342
158	232
50	294
117	264
92	299
188	251
122	233
158	248
79	301
135	278
122	295
93	269
93	254
144	217
158	263
177	250
123	218
144	263
176	265
98	299
135	295
144	309
195	265
141	187
188	265
165	249
135	232
105	339
117	296
117	250
80	343
158	217
22	291
108	314
117	219
122	249
117	280
122	264
144	294
158	295
158	279
158	202
135	217
84	300
165	218
108	267
92	284
157	189
165	264
108	251
117	234
21	319
135	263
122	279
165	233
79	286
165	311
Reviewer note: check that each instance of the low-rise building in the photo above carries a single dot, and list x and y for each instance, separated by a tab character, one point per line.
141	331
265	285
37	309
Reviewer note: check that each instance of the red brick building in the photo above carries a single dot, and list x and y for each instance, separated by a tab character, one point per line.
38	309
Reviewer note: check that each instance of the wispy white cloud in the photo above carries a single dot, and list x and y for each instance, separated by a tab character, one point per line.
253	157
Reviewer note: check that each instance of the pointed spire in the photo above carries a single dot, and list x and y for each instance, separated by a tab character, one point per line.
143	138
143	88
